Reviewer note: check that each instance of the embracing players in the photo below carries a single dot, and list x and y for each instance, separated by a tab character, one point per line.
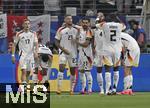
112	48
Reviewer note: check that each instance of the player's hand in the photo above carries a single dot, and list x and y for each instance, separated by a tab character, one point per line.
13	59
66	52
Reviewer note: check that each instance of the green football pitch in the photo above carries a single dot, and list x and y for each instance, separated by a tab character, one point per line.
138	100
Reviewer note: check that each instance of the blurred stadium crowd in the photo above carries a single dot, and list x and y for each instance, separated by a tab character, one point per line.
82	8
58	7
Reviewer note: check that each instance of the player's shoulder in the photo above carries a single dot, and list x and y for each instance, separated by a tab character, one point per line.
77	27
61	28
19	33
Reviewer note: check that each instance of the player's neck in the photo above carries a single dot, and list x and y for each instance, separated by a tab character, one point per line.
26	30
69	25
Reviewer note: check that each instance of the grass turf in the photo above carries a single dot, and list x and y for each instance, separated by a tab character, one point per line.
139	100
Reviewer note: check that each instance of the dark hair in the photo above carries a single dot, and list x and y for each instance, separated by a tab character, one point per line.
112	17
26	19
133	22
67	15
85	18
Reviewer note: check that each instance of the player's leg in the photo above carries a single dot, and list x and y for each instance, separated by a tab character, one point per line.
108	79
87	65
44	78
115	79
117	63
72	79
90	80
23	66
72	60
130	81
83	80
98	63
82	74
108	63
126	79
35	74
100	79
62	65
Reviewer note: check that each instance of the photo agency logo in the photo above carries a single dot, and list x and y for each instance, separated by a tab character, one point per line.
28	96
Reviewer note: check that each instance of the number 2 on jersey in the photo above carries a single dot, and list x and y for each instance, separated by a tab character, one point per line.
112	35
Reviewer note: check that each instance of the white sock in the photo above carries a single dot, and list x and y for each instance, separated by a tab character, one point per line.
130	81
35	78
100	81
83	81
115	80
90	80
126	82
60	78
24	82
72	82
108	81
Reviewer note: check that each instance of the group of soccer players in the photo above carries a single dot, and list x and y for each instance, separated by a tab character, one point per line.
82	47
105	46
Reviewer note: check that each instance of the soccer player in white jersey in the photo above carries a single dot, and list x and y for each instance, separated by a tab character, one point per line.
85	55
98	44
112	47
43	64
26	41
68	51
131	59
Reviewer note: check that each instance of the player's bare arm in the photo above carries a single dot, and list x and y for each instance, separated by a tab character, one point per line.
36	49
57	43
13	53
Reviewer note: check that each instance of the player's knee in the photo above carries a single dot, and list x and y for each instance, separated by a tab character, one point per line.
107	68
72	70
61	67
116	68
99	69
36	71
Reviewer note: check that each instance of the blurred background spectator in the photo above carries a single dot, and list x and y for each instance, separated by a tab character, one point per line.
52	7
138	33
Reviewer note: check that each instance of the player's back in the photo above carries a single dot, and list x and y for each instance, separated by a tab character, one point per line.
112	31
98	39
44	50
129	42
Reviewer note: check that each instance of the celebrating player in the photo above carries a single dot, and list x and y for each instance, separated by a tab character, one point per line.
26	41
98	43
68	50
131	58
85	55
43	64
112	47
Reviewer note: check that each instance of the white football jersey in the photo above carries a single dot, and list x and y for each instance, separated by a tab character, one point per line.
129	42
98	40
112	32
26	41
65	35
82	38
44	50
